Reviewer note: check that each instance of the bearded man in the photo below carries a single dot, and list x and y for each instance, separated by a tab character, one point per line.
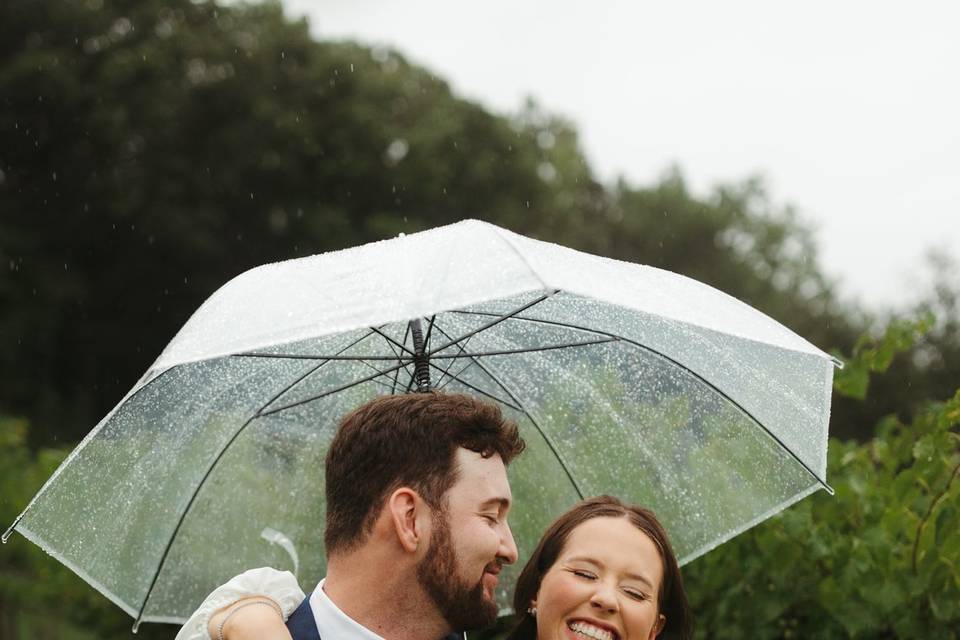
416	527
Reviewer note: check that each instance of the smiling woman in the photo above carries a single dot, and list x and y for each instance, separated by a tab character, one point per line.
603	570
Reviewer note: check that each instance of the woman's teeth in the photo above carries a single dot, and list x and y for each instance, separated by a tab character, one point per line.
590	631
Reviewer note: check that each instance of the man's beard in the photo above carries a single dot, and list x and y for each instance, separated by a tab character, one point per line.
463	606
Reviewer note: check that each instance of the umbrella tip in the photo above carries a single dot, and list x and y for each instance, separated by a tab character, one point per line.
9	532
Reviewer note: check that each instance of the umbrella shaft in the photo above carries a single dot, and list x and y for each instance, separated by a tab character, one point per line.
421	365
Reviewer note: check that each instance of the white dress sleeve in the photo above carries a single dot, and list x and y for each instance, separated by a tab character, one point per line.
279	586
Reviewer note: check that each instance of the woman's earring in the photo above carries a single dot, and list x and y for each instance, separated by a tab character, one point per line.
532	611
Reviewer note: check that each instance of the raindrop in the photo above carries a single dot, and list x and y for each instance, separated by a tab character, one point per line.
351	67
278	220
251	195
283	55
54	176
120	28
528	204
164	29
396	151
91	45
546	171
401	235
546	139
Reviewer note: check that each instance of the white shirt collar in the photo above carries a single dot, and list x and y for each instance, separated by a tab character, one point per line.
334	624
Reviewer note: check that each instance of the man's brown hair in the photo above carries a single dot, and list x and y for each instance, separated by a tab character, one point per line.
406	440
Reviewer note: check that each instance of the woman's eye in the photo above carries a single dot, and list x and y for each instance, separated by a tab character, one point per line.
636	595
583	574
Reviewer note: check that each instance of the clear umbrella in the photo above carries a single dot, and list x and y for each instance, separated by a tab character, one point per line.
625	379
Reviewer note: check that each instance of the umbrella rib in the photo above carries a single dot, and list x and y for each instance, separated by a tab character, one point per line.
332	391
183	515
426	338
540	321
736	404
505	352
396	375
481	391
553	449
492	323
314	356
455	376
380	382
391	340
310	372
743	409
463	348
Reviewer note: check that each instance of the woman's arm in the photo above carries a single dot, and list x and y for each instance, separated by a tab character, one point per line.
254	618
266	584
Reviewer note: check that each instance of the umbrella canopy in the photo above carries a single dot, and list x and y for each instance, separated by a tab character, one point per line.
625	379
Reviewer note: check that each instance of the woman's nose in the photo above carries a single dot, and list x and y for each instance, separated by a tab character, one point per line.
604	598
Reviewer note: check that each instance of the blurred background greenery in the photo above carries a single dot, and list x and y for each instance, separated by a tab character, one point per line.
151	150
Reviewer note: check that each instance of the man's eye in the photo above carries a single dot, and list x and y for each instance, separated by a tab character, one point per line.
492	519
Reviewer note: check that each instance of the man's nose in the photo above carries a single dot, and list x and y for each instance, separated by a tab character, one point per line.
508	548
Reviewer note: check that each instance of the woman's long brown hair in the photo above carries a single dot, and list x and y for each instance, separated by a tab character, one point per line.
671	600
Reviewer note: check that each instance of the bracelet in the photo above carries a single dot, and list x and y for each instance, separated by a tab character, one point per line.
269	603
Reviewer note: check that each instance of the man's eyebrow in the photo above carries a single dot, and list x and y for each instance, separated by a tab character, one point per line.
499	501
630	576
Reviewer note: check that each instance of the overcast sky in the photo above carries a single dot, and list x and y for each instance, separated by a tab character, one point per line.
849	108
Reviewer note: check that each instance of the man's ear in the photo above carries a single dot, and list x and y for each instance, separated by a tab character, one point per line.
407	510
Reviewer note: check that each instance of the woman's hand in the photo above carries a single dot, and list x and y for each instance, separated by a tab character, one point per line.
248	621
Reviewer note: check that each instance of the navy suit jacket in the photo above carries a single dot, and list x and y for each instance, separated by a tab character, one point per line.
303	625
